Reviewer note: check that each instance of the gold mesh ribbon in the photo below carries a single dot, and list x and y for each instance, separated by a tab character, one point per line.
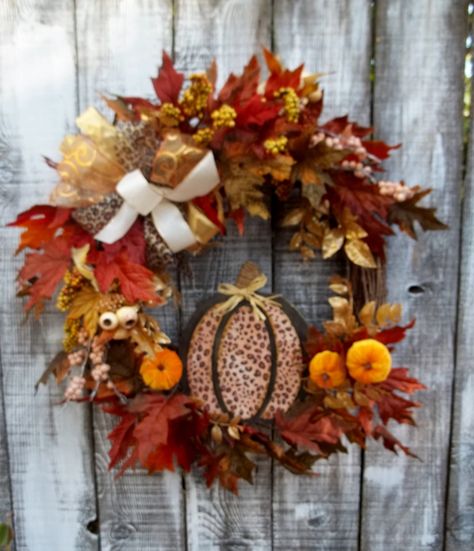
90	168
249	293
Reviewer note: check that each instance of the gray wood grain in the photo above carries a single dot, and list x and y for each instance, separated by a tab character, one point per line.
119	49
460	508
6	510
231	31
332	37
418	101
49	445
57	57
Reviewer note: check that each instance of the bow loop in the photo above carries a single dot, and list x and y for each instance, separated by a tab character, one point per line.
249	293
142	197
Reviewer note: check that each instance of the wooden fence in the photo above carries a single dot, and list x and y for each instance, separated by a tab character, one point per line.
398	64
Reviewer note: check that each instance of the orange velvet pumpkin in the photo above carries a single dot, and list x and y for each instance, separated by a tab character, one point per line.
162	371
326	369
369	361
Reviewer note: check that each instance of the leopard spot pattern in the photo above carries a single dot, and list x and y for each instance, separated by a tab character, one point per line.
199	360
158	254
289	362
244	362
94	217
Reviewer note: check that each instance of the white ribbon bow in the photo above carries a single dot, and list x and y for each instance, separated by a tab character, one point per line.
141	197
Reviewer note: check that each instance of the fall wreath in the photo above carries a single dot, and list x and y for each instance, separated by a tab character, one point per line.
159	182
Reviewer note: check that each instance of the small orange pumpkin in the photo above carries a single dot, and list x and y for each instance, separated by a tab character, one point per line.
162	371
369	361
326	369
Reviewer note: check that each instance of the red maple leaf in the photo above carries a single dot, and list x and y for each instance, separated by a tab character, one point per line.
47	269
390	441
379	149
256	112
308	429
41	223
160	459
159	410
168	83
238	216
398	379
137	103
76	236
181	445
365	202
133	243
218	467
272	62
136	281
395	334
339	124
240	89
392	406
365	416
157	430
121	438
208	205
362	199
317	342
212	466
283	79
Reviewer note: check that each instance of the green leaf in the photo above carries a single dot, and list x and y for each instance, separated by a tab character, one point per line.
6	535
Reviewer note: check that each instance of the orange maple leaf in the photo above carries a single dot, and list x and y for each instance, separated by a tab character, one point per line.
46	269
41	223
136	281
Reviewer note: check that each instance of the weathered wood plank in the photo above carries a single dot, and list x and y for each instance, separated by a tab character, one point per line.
460	512
418	101
119	48
49	445
332	37
6	512
230	31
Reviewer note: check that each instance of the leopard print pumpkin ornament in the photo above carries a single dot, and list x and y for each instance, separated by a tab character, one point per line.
243	352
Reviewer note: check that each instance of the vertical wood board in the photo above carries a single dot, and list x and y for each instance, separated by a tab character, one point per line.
231	31
6	511
418	101
49	445
460	504
119	48
57	58
334	38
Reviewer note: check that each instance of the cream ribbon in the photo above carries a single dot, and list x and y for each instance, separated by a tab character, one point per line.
249	293
141	197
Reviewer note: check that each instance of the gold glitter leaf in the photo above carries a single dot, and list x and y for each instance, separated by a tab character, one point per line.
359	252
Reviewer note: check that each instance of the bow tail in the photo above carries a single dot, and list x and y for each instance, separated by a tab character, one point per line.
172	226
118	225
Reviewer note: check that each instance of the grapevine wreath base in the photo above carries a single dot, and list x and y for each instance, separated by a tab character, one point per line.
161	181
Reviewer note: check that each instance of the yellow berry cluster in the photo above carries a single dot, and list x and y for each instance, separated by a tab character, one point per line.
194	99
203	136
71	334
111	302
73	281
224	116
275	145
170	115
291	102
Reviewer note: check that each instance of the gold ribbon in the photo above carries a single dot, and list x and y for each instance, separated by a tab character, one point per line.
203	228
249	293
90	168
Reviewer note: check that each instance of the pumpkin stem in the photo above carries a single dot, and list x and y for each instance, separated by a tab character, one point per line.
247	274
